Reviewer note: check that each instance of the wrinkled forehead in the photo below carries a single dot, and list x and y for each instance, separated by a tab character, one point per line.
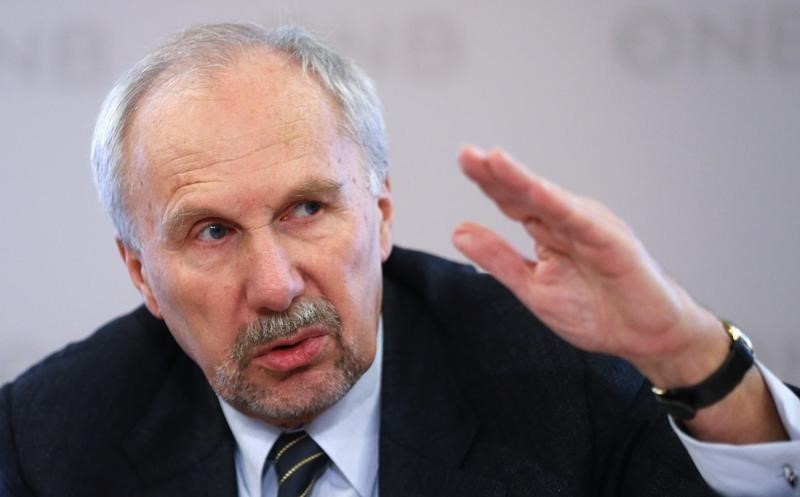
261	102
257	93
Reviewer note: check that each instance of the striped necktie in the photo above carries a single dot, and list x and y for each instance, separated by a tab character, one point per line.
299	461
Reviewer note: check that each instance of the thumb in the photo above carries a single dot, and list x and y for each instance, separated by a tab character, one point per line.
495	255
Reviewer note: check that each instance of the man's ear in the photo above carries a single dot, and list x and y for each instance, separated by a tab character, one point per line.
133	261
387	211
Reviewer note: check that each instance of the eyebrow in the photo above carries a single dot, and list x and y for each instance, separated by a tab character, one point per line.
181	217
316	187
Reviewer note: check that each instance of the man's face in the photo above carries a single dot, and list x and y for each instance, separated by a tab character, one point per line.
261	244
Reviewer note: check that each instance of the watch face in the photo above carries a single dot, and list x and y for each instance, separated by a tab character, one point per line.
736	334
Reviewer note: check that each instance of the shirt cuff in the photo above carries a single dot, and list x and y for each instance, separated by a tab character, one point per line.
754	470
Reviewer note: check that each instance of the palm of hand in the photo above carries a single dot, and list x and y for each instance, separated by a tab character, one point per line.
592	283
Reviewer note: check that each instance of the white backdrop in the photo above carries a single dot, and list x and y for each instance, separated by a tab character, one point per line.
682	116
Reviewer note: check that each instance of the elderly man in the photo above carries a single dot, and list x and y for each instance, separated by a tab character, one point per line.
285	348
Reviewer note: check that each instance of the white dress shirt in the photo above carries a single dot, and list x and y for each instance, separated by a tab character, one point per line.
755	470
348	432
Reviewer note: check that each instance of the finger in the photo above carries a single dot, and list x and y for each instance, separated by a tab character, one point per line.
535	201
471	153
519	193
495	255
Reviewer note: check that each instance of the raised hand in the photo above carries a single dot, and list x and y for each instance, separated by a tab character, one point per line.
595	285
592	281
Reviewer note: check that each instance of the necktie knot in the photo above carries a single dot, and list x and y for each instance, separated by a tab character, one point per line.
298	461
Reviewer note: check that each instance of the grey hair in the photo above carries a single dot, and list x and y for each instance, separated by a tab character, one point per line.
205	49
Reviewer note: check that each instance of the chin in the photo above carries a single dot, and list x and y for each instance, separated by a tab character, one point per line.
293	400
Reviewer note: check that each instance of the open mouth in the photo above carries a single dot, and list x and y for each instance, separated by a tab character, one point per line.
294	352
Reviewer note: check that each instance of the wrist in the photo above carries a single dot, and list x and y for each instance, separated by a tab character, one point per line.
697	348
684	402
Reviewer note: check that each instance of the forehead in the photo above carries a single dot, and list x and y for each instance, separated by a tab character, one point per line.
262	102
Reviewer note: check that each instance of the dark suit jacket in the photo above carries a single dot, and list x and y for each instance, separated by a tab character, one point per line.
478	399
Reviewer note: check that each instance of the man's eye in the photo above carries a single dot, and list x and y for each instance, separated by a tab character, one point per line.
306	209
213	232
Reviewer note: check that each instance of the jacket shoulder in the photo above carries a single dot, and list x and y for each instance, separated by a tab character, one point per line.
135	342
71	412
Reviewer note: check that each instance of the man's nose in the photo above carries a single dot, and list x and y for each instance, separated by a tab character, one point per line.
273	280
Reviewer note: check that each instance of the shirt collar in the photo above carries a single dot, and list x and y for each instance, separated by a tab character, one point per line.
347	431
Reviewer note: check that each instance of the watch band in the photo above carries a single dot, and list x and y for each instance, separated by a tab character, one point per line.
683	403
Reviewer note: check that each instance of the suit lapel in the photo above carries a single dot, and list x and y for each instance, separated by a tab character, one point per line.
182	445
427	428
